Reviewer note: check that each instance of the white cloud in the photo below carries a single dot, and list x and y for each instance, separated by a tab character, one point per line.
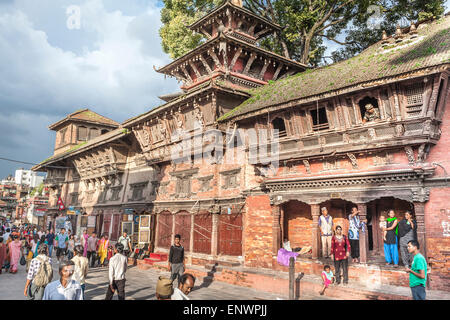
43	80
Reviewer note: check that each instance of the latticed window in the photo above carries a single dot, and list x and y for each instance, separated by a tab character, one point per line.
115	192
319	119
74	198
414	99
82	134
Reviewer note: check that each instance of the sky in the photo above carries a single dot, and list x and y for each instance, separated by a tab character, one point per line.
50	67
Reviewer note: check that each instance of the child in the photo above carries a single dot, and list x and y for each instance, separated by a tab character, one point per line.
383	224
327	277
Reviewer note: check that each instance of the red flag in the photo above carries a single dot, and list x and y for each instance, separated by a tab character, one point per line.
61	204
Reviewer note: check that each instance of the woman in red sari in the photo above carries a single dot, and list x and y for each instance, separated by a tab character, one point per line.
14	254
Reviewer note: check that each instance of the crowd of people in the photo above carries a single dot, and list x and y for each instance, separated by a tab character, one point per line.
397	235
33	248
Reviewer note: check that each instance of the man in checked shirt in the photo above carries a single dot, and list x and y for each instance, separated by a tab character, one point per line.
36	292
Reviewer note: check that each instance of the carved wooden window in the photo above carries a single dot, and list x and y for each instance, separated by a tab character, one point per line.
183	186
414	99
102	196
205	183
74	198
93	133
82	134
231	179
319	119
90	196
62	136
351	111
138	191
278	124
115	192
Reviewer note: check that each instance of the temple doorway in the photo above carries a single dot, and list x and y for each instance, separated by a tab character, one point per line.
296	224
379	207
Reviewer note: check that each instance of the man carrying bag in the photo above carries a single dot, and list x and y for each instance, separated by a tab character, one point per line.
39	275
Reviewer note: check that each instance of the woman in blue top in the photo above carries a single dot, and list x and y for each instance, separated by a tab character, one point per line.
42	240
355	226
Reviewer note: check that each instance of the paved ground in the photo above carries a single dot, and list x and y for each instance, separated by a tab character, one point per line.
141	285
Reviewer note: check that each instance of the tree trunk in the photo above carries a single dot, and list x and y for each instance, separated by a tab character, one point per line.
306	49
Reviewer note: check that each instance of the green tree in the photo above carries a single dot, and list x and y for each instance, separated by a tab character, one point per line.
306	24
393	13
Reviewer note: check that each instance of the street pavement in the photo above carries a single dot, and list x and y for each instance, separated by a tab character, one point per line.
140	285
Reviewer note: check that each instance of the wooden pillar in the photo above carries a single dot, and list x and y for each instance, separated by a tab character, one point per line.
156	230
276	229
419	209
315	212
215	234
375	228
363	236
173	230
191	238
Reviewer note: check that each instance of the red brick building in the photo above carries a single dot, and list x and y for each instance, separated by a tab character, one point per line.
331	153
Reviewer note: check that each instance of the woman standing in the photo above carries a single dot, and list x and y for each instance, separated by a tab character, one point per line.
70	247
406	232
14	252
84	241
390	244
42	240
103	246
2	254
355	226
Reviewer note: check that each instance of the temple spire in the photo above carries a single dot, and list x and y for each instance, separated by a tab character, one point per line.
237	2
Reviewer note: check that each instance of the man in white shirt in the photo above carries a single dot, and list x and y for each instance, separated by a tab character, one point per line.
326	230
64	288
185	286
117	268
126	242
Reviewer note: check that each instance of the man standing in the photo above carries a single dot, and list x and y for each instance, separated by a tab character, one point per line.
61	239
326	230
41	233
185	285
126	242
117	268
355	226
92	248
176	260
81	267
418	271
65	288
340	251
406	233
50	240
39	275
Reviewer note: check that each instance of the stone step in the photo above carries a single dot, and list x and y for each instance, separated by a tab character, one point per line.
159	256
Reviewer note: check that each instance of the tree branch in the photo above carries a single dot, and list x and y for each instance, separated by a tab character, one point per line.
337	41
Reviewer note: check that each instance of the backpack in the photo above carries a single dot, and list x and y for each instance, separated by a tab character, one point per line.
44	274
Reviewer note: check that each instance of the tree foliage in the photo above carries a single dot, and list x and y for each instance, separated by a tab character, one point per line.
306	24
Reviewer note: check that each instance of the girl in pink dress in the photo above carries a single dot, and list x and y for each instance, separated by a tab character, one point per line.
14	253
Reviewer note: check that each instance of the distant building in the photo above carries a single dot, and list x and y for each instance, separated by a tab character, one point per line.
28	177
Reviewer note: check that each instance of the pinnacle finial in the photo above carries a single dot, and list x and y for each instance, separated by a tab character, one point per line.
237	2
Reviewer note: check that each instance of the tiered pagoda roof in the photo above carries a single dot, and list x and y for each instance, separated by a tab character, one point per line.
231	51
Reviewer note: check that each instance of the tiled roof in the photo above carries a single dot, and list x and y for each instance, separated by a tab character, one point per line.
429	49
86	115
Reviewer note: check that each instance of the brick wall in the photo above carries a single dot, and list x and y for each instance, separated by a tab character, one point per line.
298	224
257	237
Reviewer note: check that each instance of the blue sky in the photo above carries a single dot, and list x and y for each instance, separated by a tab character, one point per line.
48	70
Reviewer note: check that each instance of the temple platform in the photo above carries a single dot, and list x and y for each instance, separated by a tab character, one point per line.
372	281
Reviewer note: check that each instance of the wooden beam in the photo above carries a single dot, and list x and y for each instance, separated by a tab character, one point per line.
261	32
205	64
194	67
251	30
249	63
216	59
263	70
236	56
188	76
204	32
277	72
